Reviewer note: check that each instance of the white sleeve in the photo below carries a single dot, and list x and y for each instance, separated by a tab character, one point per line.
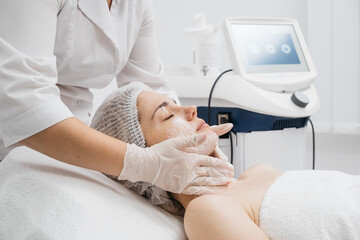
144	63
29	99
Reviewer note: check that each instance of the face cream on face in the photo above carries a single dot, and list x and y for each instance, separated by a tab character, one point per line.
164	109
183	128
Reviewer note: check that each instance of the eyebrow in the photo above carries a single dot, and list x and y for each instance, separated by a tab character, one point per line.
163	104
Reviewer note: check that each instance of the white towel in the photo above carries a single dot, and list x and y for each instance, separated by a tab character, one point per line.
41	198
312	205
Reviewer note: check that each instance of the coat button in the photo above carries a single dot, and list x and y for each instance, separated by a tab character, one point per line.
80	103
111	70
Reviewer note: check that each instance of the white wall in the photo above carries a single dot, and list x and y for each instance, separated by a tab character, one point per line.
338	152
334	42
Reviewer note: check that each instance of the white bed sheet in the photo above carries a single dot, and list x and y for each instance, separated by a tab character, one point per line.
41	198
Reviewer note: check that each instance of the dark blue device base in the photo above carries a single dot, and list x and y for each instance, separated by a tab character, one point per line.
247	121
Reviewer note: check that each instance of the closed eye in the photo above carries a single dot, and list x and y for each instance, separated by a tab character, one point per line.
169	117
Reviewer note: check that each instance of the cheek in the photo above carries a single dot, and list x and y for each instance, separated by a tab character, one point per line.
181	128
176	127
155	133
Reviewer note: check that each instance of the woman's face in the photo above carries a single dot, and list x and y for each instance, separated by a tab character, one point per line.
161	118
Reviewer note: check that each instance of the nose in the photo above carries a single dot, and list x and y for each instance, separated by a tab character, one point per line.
190	112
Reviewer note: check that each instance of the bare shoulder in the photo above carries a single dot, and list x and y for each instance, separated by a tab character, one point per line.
201	205
219	217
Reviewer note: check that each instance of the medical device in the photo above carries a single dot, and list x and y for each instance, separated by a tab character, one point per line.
270	87
273	74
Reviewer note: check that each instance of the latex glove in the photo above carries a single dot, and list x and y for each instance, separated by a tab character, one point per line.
219	154
220	130
167	166
208	147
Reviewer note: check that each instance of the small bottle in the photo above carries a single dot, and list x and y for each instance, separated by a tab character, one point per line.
206	47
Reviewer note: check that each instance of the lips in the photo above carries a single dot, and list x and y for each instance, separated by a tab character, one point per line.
201	125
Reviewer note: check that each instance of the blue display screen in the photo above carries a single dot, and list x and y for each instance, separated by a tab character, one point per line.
269	48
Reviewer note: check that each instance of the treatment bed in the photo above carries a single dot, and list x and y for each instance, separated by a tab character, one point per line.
41	198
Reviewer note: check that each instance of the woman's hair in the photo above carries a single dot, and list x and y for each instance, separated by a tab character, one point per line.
118	117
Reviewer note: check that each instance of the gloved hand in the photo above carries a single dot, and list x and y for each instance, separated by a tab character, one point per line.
219	154
208	147
220	130
167	166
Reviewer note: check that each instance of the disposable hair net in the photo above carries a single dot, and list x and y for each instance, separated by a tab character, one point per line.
118	117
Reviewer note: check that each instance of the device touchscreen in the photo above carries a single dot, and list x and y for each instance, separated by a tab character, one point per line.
268	48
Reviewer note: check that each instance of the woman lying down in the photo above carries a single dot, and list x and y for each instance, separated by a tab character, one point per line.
263	203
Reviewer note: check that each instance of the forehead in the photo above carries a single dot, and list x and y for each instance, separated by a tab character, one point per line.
147	96
148	99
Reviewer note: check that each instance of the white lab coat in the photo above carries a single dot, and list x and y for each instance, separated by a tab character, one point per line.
53	51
